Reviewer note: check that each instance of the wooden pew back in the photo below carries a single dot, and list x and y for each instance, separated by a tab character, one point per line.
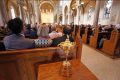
93	39
109	46
19	64
84	36
22	64
78	44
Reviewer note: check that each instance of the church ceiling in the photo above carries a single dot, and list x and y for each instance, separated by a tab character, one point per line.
84	3
46	6
54	1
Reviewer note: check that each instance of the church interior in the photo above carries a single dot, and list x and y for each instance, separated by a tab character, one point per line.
59	39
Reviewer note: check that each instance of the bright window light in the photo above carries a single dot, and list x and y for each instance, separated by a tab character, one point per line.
82	2
13	13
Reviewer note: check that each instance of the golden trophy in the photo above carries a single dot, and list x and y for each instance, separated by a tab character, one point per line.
66	67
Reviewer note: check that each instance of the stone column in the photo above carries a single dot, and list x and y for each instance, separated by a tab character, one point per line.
4	13
58	19
37	11
1	20
97	10
63	16
69	16
33	18
20	4
58	13
117	20
78	12
29	12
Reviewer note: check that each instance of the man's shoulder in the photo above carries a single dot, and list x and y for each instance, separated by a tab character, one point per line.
8	37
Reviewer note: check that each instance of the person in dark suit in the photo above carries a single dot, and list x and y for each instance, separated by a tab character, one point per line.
66	31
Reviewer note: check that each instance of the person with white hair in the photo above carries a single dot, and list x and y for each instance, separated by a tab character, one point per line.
43	30
118	26
43	37
54	33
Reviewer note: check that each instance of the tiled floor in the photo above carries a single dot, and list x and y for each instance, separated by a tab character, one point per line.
102	66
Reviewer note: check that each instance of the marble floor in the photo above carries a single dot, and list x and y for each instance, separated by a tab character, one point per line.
103	67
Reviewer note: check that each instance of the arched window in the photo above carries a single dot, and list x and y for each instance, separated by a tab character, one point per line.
12	13
107	9
90	10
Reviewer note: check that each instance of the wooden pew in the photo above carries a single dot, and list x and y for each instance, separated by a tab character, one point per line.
78	42
109	46
93	39
84	36
82	30
73	32
22	64
19	64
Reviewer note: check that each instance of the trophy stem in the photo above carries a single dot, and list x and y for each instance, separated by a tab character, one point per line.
66	57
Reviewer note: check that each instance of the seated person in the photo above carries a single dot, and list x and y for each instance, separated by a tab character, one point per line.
17	40
109	28
2	47
54	33
43	38
66	31
30	32
101	41
59	30
44	26
118	27
82	30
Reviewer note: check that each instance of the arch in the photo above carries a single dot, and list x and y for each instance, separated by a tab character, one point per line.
60	18
13	4
49	2
47	6
66	10
72	4
47	11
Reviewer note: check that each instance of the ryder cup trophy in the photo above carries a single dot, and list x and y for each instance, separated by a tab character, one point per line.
66	67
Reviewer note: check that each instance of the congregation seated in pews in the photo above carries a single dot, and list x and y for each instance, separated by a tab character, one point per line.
112	46
105	38
39	36
87	33
29	36
24	52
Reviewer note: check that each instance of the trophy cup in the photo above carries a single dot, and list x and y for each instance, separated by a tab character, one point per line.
66	67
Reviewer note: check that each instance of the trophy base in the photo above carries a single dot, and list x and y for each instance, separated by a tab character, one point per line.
66	70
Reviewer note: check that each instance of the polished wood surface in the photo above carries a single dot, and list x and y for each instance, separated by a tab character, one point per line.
23	64
52	71
93	39
78	42
109	46
84	37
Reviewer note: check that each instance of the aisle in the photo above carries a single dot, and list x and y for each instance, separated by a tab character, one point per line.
102	66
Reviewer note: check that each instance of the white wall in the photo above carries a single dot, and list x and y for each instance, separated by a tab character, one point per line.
114	17
47	17
65	3
85	16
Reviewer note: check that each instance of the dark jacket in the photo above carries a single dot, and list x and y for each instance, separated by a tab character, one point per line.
58	40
